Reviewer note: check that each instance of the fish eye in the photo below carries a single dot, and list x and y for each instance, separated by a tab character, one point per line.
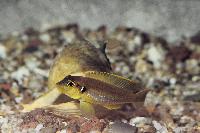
83	89
70	83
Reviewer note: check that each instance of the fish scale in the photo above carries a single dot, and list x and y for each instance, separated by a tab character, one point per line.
103	92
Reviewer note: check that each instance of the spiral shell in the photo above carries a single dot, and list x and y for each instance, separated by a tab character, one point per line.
78	57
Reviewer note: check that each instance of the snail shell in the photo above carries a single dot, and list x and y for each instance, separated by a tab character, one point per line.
78	57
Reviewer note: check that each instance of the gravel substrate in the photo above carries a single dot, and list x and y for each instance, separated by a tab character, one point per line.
171	71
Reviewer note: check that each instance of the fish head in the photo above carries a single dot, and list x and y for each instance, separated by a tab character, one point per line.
70	87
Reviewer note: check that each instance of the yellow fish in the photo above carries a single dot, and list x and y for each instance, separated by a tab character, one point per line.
105	89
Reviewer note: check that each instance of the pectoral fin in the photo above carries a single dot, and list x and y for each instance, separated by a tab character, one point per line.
87	109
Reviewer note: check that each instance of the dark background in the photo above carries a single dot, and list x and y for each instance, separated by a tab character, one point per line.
168	18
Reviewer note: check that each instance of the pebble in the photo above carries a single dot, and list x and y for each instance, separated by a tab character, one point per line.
178	110
42	72
45	37
192	66
24	37
172	81
195	78
179	53
48	130
3	120
63	131
159	127
120	127
147	129
34	83
3	53
179	129
137	40
18	99
95	131
186	120
156	55
125	70
140	120
68	36
32	63
20	74
141	66
38	128
132	44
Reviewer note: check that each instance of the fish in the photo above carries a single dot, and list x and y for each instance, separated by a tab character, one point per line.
101	88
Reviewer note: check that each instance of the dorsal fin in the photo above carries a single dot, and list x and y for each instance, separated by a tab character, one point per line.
115	80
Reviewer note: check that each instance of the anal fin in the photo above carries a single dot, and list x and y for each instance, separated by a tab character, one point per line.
87	109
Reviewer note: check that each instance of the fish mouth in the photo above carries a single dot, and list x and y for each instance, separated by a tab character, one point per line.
64	81
60	84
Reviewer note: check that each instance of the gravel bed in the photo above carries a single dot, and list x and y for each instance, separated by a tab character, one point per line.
171	71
